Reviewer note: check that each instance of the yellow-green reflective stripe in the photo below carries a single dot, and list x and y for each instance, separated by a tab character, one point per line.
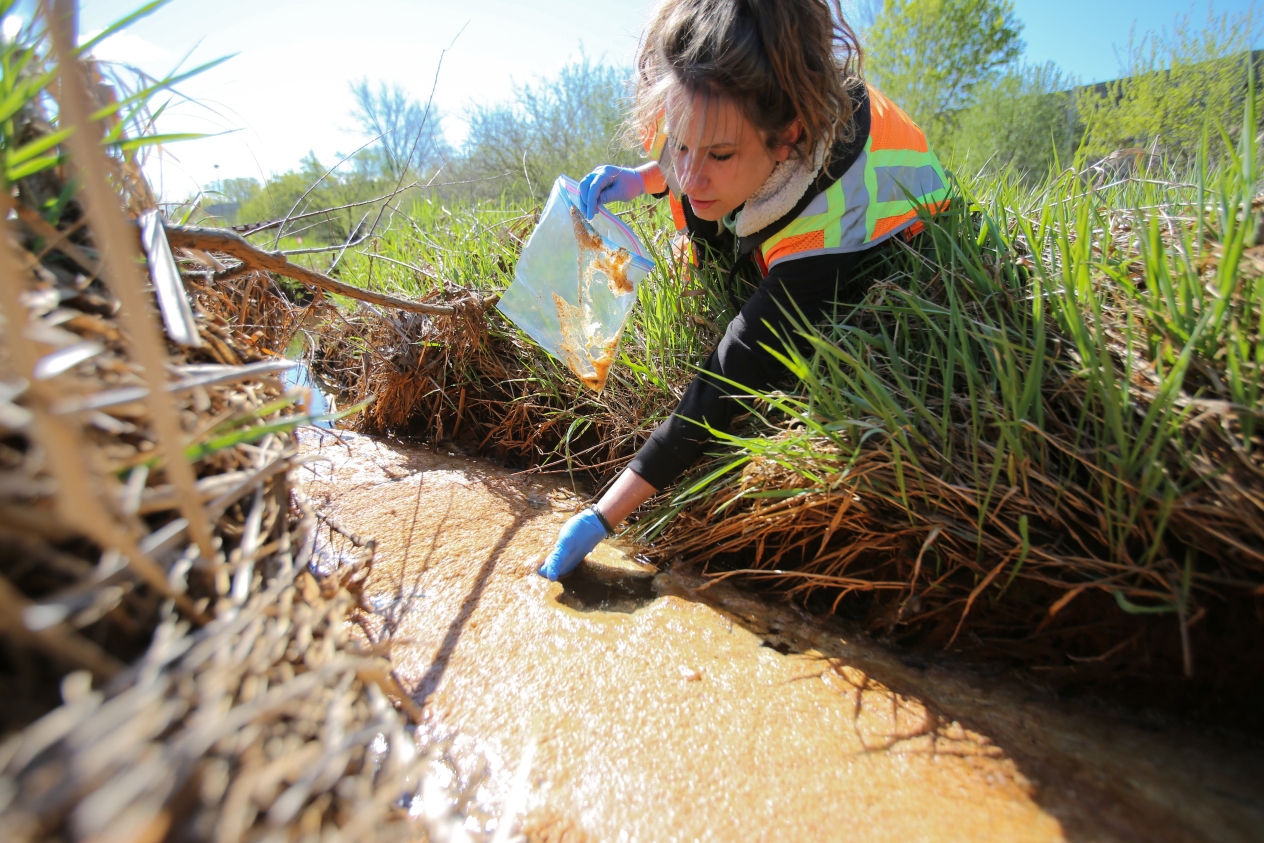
837	202
899	158
871	184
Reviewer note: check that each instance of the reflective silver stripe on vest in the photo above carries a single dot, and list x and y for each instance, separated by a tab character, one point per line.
899	183
818	205
853	225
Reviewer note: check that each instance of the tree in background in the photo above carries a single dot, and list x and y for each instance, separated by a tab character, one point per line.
567	124
323	189
411	135
1172	83
1023	117
238	191
930	56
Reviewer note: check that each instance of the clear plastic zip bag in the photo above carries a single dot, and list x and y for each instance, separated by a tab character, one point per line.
575	284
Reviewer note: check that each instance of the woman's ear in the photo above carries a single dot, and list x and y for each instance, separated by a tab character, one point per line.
789	138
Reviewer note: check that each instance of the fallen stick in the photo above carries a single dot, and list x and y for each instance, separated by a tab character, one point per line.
231	243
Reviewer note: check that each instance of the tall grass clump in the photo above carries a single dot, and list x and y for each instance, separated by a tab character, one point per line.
1044	428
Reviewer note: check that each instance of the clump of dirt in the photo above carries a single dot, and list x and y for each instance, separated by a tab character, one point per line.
580	340
910	572
476	380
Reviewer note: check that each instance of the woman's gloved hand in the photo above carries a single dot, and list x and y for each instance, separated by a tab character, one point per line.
576	540
608	183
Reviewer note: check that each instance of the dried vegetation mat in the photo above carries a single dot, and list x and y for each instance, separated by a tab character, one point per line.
471	378
178	656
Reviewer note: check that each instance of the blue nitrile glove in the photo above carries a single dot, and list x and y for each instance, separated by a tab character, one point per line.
576	540
608	183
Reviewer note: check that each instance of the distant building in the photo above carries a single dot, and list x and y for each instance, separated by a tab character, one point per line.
226	211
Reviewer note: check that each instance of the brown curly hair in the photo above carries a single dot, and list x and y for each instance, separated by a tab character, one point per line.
776	60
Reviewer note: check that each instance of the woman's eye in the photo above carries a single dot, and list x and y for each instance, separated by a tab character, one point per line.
726	156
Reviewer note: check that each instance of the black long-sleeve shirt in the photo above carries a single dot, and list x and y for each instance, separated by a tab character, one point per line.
812	285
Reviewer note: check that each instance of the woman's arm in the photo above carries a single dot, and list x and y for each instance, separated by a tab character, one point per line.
653	178
806	286
627	493
585	531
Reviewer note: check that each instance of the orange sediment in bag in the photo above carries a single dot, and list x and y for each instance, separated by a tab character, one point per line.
578	348
613	263
575	285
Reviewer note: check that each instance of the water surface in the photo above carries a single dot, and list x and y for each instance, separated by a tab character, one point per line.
649	706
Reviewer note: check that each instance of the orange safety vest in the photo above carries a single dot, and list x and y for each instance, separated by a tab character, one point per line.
896	176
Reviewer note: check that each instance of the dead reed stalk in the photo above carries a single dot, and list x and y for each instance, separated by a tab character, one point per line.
177	658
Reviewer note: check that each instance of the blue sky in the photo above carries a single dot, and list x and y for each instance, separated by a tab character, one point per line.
285	91
1080	35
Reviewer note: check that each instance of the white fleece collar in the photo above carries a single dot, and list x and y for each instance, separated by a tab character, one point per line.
785	186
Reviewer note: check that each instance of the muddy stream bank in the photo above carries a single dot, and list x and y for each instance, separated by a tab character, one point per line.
627	704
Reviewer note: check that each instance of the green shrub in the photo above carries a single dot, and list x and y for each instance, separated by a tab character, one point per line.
1022	118
312	188
929	56
1173	83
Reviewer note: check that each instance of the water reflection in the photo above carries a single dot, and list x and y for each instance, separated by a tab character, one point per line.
318	403
591	589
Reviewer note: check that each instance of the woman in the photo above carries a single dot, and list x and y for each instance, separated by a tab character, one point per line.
774	150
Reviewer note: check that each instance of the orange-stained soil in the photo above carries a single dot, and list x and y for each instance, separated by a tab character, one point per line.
577	342
596	256
650	708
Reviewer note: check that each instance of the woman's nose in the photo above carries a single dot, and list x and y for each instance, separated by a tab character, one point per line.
689	175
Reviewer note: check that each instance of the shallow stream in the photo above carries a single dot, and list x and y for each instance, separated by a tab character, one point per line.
631	704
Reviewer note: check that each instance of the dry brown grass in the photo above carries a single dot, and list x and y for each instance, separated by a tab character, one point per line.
177	643
470	378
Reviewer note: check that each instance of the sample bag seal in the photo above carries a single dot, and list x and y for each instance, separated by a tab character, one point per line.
575	284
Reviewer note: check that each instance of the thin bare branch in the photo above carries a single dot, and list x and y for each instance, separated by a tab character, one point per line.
231	243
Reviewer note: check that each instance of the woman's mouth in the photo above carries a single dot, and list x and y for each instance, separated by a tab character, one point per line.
701	204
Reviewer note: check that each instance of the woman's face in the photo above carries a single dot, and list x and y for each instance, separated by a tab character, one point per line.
719	158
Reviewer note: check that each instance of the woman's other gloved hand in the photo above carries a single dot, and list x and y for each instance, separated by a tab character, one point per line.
576	540
608	183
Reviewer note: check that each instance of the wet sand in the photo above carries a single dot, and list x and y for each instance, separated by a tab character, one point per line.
651	708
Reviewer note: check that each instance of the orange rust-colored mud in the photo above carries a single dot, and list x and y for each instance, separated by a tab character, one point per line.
601	365
614	265
659	710
596	256
574	354
591	371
